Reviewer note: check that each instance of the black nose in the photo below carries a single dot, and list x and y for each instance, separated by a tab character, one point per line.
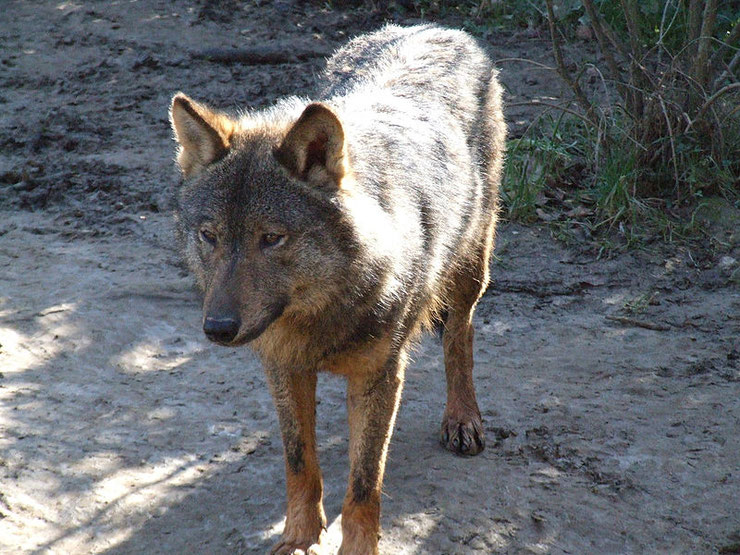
221	330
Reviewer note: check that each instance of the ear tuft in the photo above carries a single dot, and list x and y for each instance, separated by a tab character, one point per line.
204	136
314	149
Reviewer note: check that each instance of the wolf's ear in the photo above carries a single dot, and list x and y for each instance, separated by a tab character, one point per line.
314	150
204	136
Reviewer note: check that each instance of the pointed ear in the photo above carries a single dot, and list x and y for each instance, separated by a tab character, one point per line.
204	136
314	149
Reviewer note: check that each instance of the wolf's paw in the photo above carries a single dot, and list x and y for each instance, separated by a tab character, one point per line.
286	547
463	436
290	545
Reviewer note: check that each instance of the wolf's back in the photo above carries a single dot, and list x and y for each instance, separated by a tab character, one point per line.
425	133
427	80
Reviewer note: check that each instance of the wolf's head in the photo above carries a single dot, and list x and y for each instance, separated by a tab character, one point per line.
257	215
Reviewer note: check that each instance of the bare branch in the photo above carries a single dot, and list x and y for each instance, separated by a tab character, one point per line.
665	28
733	112
729	72
731	42
596	24
673	144
555	106
527	60
614	39
606	31
638	323
711	100
694	19
699	70
631	16
562	70
637	71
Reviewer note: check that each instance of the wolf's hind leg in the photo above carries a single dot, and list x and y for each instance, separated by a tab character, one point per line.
294	394
462	428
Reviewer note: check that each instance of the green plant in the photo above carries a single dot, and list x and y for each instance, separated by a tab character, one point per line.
541	158
674	127
639	304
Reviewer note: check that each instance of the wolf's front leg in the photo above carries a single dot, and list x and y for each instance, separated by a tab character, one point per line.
372	402
294	394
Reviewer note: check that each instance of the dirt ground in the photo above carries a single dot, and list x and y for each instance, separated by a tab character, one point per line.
123	431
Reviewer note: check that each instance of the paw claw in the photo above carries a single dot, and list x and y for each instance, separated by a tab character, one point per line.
296	548
300	544
463	436
285	549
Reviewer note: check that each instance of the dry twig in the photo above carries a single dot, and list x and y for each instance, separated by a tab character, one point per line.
707	28
562	70
555	106
638	323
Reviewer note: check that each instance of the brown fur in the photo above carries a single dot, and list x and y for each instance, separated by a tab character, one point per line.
204	136
295	400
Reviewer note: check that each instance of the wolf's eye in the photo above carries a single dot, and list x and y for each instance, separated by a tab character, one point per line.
207	237
269	240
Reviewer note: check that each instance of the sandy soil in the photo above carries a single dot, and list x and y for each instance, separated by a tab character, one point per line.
123	431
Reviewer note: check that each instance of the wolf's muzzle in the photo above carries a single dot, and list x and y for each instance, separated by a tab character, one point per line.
221	330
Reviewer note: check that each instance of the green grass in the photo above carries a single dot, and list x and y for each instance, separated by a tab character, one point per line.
554	174
550	153
639	304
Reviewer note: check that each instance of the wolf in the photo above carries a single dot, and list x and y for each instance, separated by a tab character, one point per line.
328	233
